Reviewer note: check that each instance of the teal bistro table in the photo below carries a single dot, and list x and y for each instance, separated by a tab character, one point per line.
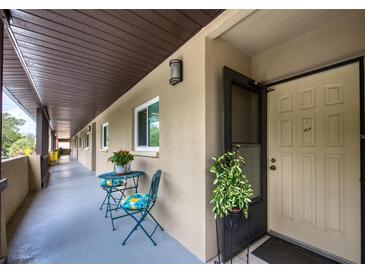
117	183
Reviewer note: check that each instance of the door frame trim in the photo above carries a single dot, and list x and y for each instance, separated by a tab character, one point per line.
360	61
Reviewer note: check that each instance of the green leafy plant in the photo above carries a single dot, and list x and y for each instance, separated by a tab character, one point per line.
232	189
121	158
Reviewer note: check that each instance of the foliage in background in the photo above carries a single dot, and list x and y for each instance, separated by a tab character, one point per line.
155	137
14	142
232	189
121	158
23	146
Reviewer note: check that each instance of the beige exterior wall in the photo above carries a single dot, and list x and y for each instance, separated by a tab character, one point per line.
86	156
340	39
218	54
74	149
181	205
17	172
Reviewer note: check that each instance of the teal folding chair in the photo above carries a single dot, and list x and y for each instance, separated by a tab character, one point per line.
142	204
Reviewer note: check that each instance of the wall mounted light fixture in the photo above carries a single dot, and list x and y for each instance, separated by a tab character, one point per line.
176	71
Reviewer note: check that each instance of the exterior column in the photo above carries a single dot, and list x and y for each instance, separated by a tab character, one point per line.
3	181
42	143
53	140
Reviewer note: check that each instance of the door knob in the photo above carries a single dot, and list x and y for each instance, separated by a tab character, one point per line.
273	167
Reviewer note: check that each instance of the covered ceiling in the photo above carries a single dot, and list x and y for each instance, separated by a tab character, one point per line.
81	61
266	29
16	80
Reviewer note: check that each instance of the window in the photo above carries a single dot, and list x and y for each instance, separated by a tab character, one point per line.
105	136
147	126
87	140
80	142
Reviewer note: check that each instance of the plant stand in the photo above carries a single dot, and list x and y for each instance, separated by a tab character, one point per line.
233	225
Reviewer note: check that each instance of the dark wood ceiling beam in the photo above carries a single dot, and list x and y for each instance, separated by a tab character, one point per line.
45	60
68	71
198	16
77	60
26	41
23	27
21	34
128	17
67	53
58	20
125	31
57	89
179	19
102	18
86	87
78	78
164	23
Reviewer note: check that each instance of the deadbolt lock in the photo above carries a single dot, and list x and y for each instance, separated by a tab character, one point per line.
273	160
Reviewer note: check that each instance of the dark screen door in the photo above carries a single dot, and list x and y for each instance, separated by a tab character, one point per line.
245	125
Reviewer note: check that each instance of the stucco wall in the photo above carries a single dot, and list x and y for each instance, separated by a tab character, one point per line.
86	155
338	40
181	206
74	149
17	172
218	54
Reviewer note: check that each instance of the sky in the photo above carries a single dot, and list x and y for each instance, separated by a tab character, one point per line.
12	108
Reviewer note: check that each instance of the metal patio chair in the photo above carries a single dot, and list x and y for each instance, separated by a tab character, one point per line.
142	204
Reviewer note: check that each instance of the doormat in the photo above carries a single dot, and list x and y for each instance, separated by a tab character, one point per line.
277	251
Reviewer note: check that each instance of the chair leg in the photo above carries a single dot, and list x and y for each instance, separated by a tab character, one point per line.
107	205
138	225
149	213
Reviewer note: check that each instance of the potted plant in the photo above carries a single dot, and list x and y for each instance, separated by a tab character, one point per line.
233	193
121	159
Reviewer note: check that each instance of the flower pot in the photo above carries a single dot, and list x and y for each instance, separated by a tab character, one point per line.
122	169
235	211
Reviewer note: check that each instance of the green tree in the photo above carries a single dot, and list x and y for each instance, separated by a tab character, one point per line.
11	132
23	146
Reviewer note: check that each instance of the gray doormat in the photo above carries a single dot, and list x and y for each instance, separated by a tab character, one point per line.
277	251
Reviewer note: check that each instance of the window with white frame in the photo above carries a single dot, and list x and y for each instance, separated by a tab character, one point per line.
147	126
105	136
87	140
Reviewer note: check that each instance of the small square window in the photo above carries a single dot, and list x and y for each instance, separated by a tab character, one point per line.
105	136
147	126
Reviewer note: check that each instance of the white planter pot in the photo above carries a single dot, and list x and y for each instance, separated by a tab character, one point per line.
122	169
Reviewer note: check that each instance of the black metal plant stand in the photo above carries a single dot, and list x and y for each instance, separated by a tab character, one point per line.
232	226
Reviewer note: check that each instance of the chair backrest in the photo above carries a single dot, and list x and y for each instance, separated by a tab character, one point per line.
155	183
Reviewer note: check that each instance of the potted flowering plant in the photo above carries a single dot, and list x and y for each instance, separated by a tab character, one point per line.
121	159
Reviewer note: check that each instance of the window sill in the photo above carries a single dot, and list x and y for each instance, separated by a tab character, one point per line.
103	150
150	154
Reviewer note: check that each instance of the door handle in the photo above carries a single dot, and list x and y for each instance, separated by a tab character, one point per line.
273	167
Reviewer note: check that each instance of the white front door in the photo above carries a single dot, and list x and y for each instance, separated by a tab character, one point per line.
314	143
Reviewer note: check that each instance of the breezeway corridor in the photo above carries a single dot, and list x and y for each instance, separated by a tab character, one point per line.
63	224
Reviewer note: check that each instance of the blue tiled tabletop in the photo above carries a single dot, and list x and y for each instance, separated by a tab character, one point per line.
115	176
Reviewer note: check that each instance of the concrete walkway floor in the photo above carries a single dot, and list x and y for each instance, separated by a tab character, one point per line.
63	224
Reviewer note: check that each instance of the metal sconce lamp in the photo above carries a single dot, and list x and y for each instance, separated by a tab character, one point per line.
176	71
